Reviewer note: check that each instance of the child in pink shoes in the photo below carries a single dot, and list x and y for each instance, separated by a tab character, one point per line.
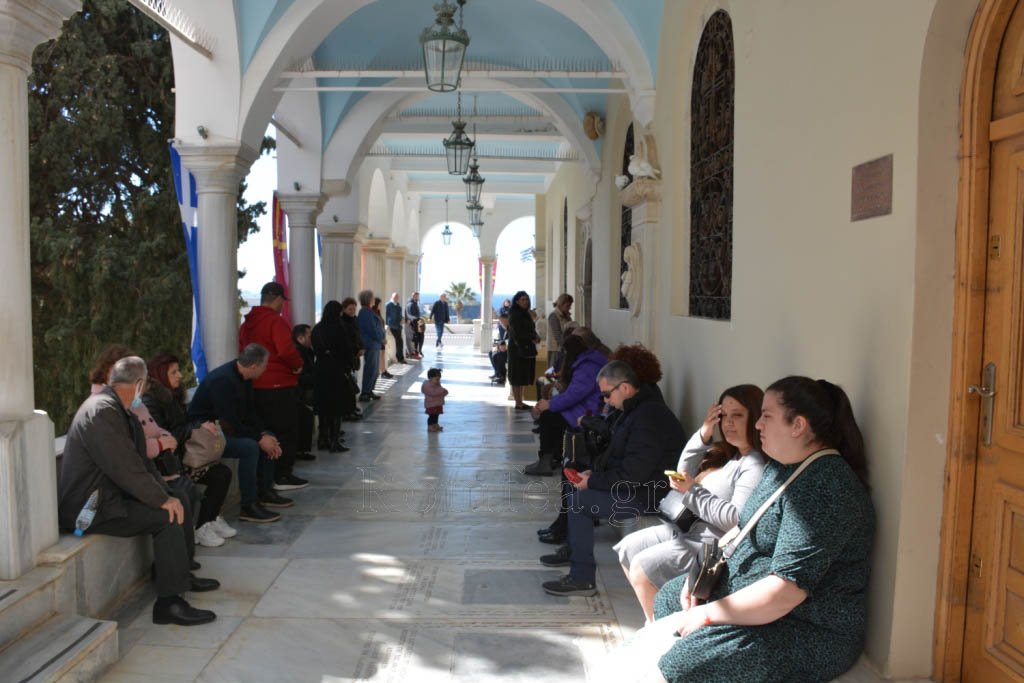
433	399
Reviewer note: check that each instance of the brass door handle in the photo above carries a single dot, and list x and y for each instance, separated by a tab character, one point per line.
983	391
986	391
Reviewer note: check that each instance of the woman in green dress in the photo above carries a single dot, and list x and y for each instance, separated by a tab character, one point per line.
791	604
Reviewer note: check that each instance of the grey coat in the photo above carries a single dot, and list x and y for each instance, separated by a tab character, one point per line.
106	451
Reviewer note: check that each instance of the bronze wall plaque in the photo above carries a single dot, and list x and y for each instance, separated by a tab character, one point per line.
872	189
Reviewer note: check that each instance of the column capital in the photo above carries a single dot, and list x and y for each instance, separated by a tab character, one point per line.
488	259
26	23
398	253
302	208
217	167
377	245
413	259
343	232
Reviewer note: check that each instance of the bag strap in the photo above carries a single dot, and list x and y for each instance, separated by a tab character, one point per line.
735	536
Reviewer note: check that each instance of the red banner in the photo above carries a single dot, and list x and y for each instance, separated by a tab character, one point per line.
281	254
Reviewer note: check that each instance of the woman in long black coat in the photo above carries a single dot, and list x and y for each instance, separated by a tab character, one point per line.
522	348
333	364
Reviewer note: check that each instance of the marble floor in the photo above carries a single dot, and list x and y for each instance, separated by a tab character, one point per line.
411	557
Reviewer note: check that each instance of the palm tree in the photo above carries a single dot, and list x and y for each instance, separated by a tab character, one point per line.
460	294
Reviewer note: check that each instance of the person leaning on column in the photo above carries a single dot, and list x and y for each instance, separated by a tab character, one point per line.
106	452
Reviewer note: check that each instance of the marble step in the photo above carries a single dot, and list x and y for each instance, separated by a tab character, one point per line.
28	601
65	648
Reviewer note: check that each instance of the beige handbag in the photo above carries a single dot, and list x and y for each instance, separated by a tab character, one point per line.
204	447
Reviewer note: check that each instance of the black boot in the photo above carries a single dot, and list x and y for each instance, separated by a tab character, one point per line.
543	467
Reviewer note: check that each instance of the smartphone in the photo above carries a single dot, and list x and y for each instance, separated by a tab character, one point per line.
572	475
678	476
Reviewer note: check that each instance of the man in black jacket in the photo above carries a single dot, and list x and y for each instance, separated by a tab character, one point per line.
106	452
646	440
412	318
226	395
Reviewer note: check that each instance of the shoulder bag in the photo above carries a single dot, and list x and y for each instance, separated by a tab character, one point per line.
713	557
204	447
673	512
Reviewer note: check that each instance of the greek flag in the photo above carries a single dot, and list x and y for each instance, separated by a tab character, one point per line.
526	255
188	203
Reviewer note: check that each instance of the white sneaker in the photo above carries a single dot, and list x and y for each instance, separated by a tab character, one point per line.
222	528
207	536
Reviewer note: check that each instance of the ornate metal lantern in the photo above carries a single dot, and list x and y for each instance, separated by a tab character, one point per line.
444	48
474	182
458	148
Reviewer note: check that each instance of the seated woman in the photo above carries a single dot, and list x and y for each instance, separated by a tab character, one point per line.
791	605
578	396
165	399
719	478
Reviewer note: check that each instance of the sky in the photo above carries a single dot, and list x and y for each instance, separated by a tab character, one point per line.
441	265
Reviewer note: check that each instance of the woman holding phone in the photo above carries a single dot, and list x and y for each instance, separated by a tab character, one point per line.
716	479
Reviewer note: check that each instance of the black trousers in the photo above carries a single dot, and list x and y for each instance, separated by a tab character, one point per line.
173	544
552	427
278	408
304	438
396	332
217	480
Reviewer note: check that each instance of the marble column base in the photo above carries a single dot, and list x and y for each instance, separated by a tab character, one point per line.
28	492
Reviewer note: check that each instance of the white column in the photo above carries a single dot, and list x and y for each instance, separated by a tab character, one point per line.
412	274
541	284
302	210
395	274
374	275
486	311
28	496
342	259
218	169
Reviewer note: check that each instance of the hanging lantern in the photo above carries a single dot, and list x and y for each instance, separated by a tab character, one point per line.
474	182
476	228
475	212
458	148
444	48
446	234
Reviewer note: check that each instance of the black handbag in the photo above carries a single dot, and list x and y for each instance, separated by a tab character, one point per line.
715	554
673	512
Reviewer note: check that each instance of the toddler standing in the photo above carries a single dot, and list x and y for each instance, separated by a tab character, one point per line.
433	398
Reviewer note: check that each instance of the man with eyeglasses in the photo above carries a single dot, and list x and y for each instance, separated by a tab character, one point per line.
646	441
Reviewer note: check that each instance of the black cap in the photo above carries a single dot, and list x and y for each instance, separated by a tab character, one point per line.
271	290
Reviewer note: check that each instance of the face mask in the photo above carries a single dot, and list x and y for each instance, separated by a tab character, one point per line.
137	401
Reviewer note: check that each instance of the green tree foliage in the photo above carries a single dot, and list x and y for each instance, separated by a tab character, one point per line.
108	255
460	294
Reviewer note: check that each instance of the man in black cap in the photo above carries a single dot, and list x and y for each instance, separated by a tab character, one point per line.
277	389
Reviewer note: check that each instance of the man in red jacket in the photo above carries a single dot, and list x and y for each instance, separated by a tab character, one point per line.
277	389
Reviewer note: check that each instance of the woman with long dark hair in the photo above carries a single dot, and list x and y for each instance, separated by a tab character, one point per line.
791	605
720	476
165	399
331	348
522	348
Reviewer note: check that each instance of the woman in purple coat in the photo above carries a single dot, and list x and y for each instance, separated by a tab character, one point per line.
580	396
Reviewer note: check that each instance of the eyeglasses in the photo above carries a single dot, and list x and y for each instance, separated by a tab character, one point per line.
607	394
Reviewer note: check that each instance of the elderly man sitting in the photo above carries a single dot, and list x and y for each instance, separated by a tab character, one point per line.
106	452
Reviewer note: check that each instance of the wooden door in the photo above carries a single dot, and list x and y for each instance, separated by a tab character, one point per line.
994	637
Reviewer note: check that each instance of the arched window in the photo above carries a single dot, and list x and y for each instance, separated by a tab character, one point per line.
626	226
711	171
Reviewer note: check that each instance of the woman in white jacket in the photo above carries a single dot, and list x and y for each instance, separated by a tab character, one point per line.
720	476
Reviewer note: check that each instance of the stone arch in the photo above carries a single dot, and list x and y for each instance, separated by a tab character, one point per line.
308	22
412	232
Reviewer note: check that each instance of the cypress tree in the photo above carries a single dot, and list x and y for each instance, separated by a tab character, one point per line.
108	255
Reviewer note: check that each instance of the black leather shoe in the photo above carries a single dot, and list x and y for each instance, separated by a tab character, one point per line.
271	499
305	456
181	613
559	558
339	447
541	468
257	513
193	565
201	585
553	538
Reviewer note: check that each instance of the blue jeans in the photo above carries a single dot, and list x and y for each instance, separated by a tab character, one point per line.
584	506
440	332
255	471
371	369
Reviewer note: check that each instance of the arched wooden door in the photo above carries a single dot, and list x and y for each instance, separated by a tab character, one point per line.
994	617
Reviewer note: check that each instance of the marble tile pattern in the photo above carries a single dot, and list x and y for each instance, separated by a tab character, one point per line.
411	557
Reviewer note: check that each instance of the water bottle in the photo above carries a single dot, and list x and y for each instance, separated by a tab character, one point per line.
87	514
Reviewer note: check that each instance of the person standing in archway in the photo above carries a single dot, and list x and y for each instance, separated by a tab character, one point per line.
442	316
413	318
522	348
